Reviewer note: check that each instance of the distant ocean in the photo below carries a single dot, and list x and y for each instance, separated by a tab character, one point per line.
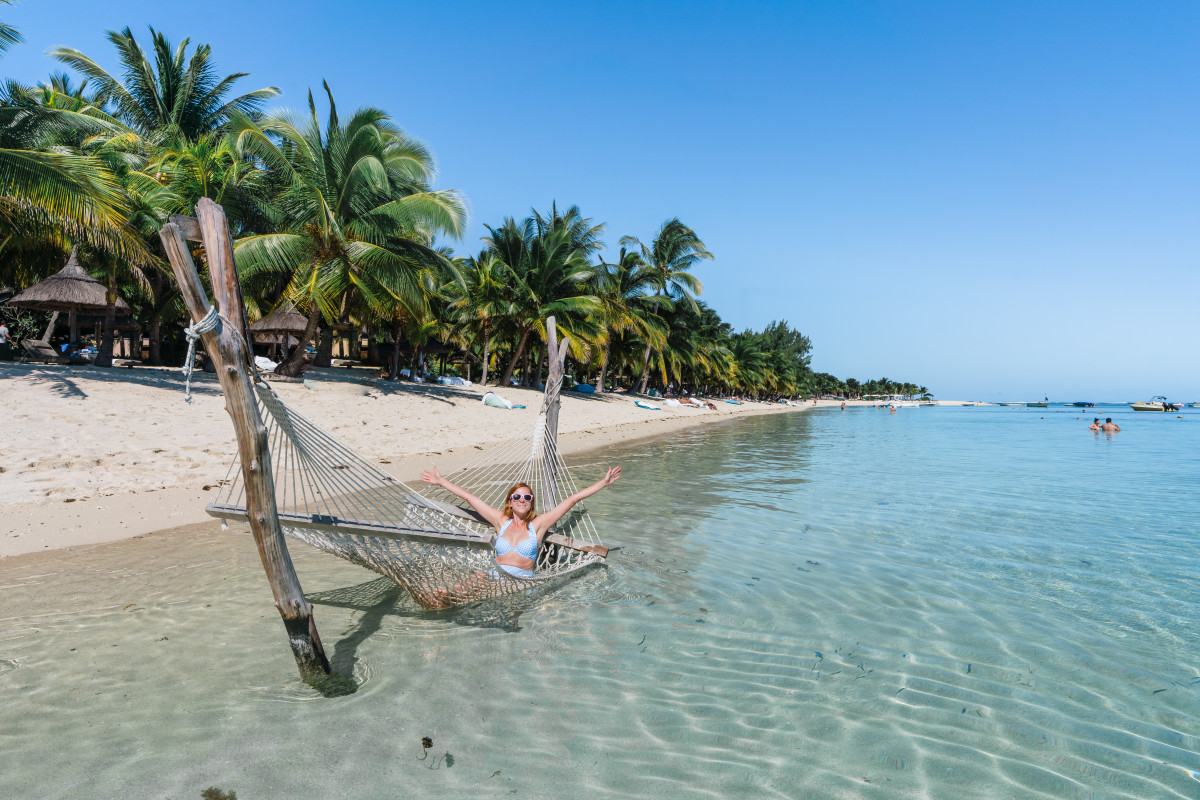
946	602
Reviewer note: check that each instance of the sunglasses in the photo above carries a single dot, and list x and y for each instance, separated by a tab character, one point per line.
528	498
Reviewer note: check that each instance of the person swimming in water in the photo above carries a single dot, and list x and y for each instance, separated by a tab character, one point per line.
519	528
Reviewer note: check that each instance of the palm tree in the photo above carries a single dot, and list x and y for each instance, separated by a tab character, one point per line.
478	300
549	266
166	94
356	214
50	187
626	307
671	255
9	35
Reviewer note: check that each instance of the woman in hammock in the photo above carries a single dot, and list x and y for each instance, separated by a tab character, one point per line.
519	528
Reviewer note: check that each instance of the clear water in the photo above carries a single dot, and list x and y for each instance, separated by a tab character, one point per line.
942	603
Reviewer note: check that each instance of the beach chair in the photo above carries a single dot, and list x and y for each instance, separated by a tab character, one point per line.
39	352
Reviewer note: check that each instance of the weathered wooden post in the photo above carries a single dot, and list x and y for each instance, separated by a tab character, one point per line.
557	356
227	344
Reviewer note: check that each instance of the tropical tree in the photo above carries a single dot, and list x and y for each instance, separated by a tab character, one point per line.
165	93
548	258
478	300
626	305
49	187
355	214
671	255
9	35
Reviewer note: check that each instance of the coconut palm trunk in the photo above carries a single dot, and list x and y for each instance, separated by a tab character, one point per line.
295	362
537	367
516	358
415	366
50	328
394	372
484	336
603	368
325	350
645	371
104	358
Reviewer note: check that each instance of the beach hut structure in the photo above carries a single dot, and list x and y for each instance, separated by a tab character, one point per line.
71	290
280	327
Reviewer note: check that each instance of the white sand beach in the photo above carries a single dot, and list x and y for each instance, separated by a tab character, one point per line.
94	455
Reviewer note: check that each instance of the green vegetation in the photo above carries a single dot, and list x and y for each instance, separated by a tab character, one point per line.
336	216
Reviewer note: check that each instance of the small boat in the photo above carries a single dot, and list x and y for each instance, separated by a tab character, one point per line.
1158	403
1010	404
1194	405
1084	405
1042	404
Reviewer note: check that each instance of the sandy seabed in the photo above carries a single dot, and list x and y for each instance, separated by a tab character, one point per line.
93	455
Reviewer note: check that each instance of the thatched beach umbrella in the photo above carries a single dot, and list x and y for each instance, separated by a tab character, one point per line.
70	289
282	324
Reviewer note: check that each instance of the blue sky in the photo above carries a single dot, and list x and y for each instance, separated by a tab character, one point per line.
996	199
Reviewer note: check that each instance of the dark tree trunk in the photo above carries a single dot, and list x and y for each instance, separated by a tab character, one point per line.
372	347
325	349
394	372
645	371
295	362
50	328
537	367
603	368
415	365
506	377
155	335
104	358
484	336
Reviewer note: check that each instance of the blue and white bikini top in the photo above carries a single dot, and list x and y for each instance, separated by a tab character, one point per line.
526	549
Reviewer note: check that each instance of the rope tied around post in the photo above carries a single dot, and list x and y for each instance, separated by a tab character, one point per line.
193	333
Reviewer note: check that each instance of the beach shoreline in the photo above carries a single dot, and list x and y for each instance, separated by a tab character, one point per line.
93	455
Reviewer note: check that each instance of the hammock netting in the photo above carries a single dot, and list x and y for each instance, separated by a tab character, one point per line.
334	499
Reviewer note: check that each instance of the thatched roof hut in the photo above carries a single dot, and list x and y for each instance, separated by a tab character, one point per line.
285	319
283	326
70	289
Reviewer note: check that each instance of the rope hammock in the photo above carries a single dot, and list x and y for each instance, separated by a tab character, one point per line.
334	499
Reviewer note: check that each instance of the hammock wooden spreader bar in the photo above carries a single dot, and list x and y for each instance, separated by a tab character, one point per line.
318	522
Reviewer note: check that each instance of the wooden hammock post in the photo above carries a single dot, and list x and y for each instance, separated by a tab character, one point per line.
557	356
227	346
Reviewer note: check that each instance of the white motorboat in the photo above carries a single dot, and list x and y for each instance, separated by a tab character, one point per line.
1158	403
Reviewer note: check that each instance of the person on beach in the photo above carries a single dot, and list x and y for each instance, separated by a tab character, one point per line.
1095	426
519	528
5	347
1109	426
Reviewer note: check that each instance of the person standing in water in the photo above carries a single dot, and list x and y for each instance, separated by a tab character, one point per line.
1109	426
1095	426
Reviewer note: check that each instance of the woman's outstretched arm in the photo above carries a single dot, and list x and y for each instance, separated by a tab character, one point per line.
546	520
492	515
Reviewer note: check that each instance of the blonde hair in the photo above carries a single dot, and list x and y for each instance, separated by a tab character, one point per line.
507	510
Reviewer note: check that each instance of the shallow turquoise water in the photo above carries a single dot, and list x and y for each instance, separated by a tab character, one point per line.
944	603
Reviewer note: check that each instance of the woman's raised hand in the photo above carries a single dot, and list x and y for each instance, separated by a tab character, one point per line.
432	475
611	478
